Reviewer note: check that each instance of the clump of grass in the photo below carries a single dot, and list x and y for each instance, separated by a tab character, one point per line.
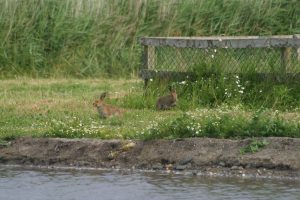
230	89
221	124
254	146
76	128
3	142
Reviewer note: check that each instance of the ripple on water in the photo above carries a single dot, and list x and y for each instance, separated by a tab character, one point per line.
103	184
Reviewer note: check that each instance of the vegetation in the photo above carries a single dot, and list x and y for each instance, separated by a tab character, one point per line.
87	38
63	108
254	146
65	45
215	90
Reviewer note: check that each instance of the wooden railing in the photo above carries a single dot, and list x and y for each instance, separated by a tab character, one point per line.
288	45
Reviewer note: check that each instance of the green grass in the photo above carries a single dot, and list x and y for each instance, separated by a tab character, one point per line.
65	45
38	107
55	38
63	108
254	146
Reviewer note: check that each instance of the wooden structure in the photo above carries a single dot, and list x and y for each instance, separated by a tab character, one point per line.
286	44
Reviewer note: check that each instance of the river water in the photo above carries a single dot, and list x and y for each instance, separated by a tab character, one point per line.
54	184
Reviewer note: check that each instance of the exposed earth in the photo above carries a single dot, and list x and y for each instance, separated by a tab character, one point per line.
199	156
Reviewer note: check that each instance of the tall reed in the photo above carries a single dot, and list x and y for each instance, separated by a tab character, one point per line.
100	38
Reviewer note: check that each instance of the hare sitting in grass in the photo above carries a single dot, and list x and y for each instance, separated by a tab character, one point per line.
167	102
105	110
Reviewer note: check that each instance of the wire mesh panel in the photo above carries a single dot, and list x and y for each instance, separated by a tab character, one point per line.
267	56
227	60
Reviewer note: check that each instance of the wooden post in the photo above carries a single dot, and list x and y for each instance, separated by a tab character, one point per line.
148	61
297	48
150	57
285	59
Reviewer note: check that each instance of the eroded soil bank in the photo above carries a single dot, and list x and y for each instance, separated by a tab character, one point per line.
279	158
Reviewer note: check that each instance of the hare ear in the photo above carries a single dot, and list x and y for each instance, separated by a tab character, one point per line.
172	88
103	95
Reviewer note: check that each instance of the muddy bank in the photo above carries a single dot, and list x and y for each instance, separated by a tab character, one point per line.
279	158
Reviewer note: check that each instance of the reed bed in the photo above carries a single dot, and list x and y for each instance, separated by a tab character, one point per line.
92	38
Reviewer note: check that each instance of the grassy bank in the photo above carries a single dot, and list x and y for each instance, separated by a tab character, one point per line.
99	38
63	108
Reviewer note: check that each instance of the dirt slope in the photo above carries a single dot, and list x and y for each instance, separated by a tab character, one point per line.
279	158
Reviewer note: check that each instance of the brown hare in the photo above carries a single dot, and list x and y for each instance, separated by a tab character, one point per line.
105	110
167	102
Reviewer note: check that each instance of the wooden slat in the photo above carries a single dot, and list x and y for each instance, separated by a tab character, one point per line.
223	42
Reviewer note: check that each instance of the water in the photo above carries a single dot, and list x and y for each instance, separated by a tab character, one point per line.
44	184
